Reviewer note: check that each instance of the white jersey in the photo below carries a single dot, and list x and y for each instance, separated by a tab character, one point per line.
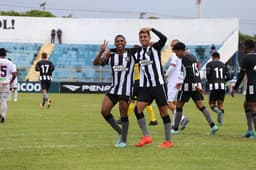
174	73
6	69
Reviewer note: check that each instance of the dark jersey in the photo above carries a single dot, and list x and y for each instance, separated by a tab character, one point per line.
122	71
191	73
149	59
45	68
249	66
216	74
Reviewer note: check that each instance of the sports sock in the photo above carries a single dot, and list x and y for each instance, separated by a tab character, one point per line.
151	113
110	119
4	108
254	119
131	108
248	115
10	95
207	116
182	117
45	98
215	109
177	118
125	127
141	122
167	127
15	96
173	117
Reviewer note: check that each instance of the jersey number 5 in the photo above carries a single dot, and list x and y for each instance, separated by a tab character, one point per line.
3	71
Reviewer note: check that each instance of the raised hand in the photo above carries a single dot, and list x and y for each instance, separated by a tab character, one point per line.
103	46
146	29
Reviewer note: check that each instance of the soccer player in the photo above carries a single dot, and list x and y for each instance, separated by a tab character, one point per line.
45	67
174	82
13	94
135	93
191	87
121	61
7	71
152	85
248	67
217	75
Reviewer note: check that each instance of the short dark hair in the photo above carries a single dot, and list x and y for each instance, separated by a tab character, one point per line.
44	55
119	35
216	54
3	52
249	43
144	32
179	46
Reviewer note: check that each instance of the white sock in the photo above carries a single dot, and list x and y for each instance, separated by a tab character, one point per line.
182	117
173	117
4	108
15	96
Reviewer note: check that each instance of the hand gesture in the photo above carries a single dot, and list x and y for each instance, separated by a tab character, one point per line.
103	46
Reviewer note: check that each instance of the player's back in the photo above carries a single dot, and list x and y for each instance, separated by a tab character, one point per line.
249	64
45	68
218	71
6	68
190	68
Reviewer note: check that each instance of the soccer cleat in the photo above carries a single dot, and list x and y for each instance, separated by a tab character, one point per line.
166	144
41	106
49	103
253	137
119	140
220	117
248	134
121	145
213	130
2	120
174	132
153	123
144	140
184	122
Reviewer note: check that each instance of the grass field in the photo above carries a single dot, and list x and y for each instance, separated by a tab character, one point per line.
72	135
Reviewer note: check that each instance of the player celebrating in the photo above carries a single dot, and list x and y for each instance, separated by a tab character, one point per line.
121	61
7	70
174	82
248	67
191	87
45	67
152	85
13	94
217	75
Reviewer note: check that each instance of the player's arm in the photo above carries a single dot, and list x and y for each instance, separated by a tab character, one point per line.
37	67
14	75
162	38
52	67
228	75
98	59
238	82
208	72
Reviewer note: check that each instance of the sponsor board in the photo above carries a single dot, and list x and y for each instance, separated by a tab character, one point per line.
79	87
34	87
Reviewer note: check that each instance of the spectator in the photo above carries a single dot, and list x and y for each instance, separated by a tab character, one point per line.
59	36
53	34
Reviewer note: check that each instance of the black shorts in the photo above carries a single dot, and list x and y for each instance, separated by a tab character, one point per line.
216	95
250	97
115	98
135	92
148	94
184	96
45	84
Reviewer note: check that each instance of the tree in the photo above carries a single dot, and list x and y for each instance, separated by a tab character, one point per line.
31	13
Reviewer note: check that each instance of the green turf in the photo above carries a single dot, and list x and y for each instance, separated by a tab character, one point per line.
72	135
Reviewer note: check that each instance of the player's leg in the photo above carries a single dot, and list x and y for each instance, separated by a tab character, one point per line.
4	97
49	101
108	103
15	94
10	95
198	100
212	102
144	99
123	107
253	108
152	115
44	92
221	113
248	116
161	100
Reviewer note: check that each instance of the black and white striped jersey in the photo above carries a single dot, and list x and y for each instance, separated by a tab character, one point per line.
149	59
122	71
191	73
216	74
45	68
249	66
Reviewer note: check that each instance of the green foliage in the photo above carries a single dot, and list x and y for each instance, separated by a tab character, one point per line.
31	13
72	134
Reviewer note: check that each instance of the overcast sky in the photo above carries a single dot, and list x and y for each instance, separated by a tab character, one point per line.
242	9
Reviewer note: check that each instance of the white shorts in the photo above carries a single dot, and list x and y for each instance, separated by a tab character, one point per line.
172	93
4	87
